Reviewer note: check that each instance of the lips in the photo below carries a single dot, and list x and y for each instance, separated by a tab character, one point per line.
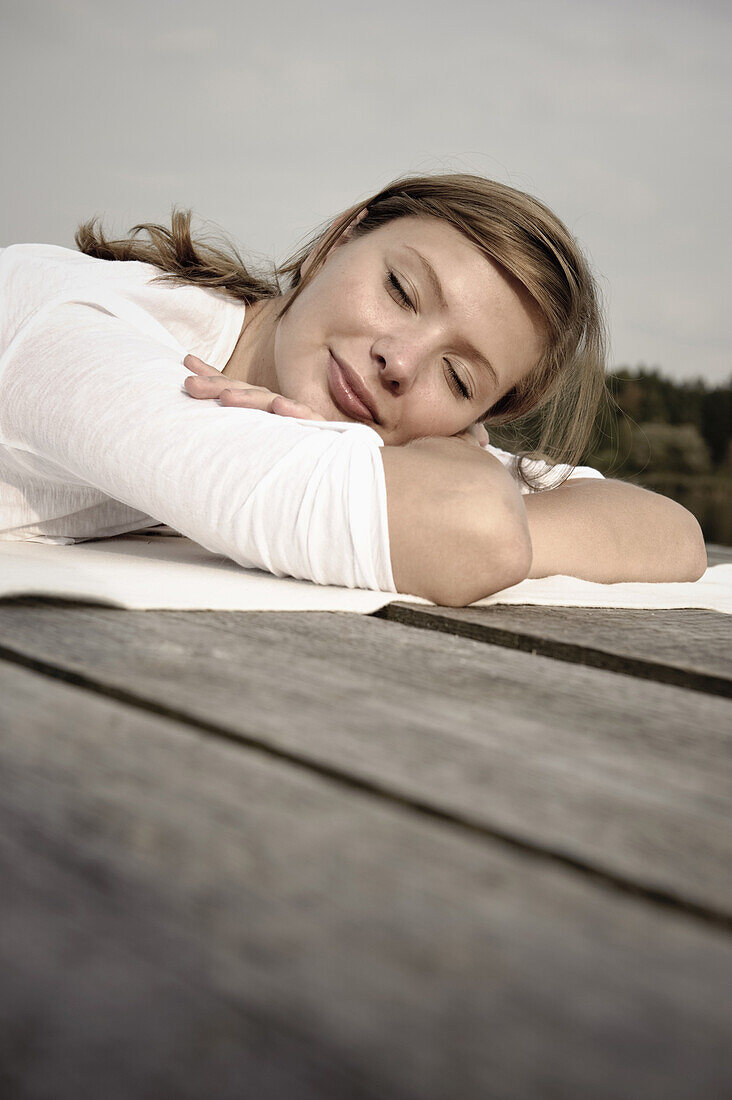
349	392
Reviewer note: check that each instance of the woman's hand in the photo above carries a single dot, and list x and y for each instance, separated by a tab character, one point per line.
475	434
206	383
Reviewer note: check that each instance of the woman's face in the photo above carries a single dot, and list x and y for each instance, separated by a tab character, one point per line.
408	329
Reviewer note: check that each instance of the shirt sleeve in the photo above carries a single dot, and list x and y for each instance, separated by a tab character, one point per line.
547	475
103	399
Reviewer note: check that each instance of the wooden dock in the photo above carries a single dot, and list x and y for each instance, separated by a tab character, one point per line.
422	855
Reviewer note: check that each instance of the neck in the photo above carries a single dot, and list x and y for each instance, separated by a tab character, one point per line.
252	359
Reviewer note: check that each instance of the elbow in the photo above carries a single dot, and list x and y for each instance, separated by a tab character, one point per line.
681	552
511	561
495	565
693	557
463	534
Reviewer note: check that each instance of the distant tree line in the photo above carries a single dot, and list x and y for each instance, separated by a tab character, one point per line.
672	437
654	425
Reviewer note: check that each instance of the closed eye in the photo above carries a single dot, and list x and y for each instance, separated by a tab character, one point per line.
456	382
400	291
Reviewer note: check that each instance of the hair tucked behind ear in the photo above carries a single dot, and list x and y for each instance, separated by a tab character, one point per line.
180	257
550	412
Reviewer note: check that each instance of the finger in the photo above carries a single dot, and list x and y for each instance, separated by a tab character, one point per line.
475	433
199	367
284	406
205	388
266	401
212	385
247	399
241	395
480	433
468	436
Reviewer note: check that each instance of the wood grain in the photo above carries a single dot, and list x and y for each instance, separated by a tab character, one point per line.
689	648
619	777
187	917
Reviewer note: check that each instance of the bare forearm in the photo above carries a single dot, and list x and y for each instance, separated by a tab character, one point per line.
612	531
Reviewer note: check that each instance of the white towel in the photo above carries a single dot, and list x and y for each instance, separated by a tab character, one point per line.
153	570
712	592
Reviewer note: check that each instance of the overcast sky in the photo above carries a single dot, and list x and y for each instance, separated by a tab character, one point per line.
269	118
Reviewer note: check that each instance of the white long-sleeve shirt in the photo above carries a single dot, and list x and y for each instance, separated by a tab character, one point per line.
98	436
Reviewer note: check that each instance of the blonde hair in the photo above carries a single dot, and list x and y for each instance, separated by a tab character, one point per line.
552	410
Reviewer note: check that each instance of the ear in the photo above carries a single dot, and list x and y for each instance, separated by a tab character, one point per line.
343	239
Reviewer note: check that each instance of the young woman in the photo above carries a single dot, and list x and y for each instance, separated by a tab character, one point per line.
342	448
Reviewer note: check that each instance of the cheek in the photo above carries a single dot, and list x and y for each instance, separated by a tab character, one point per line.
292	328
430	414
334	312
437	408
295	340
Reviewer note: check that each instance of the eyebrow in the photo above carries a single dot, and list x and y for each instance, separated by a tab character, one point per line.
436	288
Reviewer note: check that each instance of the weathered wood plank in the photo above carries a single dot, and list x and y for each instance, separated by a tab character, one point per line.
186	917
623	777
689	648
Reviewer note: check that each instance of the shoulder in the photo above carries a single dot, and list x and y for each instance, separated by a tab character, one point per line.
32	275
198	320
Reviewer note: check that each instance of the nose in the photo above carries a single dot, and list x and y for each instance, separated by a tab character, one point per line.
398	363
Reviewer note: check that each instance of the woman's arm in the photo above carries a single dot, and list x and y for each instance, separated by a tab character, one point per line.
457	524
460	529
612	531
468	532
86	391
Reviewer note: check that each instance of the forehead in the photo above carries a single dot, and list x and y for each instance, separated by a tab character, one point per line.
433	234
457	261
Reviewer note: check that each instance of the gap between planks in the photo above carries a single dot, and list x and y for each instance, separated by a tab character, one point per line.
383	793
524	639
